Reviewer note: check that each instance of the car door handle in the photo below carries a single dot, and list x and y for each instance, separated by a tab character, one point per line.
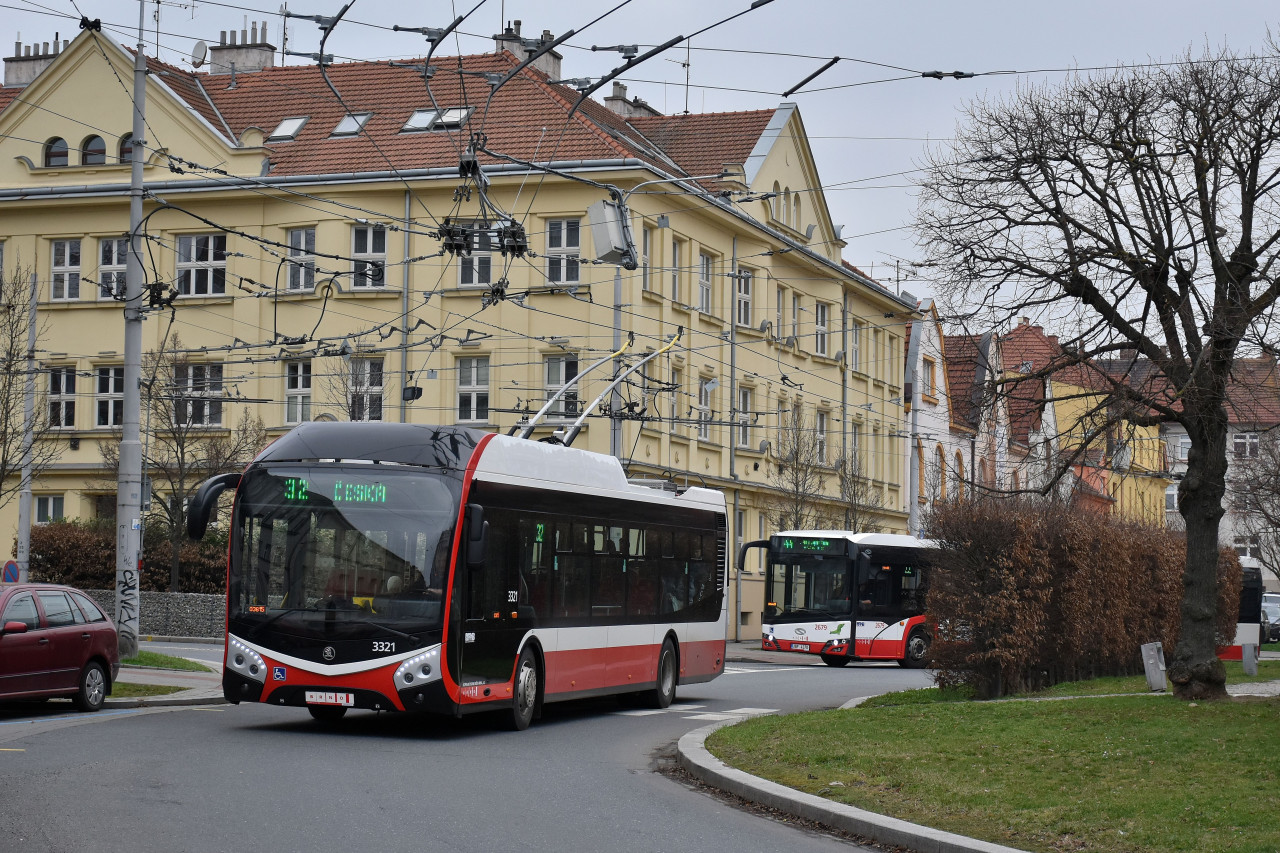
86	635
43	640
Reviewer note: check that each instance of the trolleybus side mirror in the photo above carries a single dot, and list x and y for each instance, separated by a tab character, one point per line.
201	505
477	533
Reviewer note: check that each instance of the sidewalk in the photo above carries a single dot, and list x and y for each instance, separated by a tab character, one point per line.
199	688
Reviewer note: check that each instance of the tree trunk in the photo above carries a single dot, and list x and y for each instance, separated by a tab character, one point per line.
1196	672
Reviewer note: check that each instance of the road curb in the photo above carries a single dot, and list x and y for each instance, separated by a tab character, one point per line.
170	701
694	757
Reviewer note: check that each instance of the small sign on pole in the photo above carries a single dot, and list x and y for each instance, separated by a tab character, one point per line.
11	572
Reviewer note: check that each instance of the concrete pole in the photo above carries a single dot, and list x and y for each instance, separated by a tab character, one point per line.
28	439
615	401
129	483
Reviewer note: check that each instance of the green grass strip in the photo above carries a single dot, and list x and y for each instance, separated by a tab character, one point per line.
155	660
124	690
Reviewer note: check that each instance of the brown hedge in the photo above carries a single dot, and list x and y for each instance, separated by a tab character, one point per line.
83	554
1027	594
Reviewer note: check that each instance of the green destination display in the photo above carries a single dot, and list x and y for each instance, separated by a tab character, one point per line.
803	545
298	490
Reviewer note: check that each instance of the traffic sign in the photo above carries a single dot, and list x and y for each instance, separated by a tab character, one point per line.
11	572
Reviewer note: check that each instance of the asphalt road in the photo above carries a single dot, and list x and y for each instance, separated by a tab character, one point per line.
253	777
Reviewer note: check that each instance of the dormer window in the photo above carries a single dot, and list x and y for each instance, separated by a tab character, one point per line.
433	119
351	124
55	153
93	152
290	128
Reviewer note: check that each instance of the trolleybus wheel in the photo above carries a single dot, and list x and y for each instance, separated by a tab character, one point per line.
664	693
93	688
327	713
835	660
525	701
917	656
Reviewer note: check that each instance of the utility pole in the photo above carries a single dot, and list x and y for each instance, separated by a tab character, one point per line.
129	483
28	440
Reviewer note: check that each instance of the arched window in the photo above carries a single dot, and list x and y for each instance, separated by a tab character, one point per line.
126	148
776	202
795	212
942	474
786	206
958	482
93	152
55	152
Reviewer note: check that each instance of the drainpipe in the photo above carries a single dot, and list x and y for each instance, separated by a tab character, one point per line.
733	453
404	314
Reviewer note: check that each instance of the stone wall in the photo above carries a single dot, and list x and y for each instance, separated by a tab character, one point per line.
172	614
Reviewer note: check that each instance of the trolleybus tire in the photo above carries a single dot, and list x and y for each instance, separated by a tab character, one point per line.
525	701
835	660
327	713
664	692
93	688
917	655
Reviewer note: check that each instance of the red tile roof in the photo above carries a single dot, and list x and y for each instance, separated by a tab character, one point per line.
965	400
703	143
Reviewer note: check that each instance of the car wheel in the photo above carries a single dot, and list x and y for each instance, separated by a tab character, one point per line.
93	688
835	660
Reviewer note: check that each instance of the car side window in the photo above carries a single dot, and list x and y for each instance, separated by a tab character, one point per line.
22	609
91	610
57	609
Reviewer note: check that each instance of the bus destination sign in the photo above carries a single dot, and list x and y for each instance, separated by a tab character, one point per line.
806	545
298	490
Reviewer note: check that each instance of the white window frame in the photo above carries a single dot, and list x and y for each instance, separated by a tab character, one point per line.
478	266
202	265
351	124
742	297
928	377
64	285
676	272
556	374
1184	447
821	318
706	400
1245	445
368	257
473	389
855	347
795	315
820	421
706	273
302	260
109	392
646	252
1171	498
48	508
563	258
744	416
677	389
778	311
197	394
1248	545
449	118
367	377
61	397
113	259
288	129
297	391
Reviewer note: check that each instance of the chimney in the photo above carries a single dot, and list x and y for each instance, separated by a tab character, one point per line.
253	53
618	103
510	39
28	61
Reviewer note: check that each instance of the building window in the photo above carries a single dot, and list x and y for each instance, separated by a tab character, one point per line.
351	124
820	437
742	297
202	264
778	310
109	397
821	312
1245	445
958	480
113	255
93	152
366	389
1184	447
433	119
795	316
744	417
1171	498
646	252
476	269
297	391
55	153
302	261
677	403
675	271
369	249
1248	546
473	389
49	508
706	392
560	371
66	270
62	397
562	251
197	394
927	378
126	148
706	269
855	346
288	129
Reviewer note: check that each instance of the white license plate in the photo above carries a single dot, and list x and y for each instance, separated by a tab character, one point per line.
799	647
320	697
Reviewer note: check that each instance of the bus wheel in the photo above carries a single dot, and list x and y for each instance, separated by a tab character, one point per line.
835	660
525	702
327	713
664	693
917	650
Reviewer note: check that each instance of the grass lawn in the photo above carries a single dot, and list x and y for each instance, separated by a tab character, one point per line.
124	690
1120	773
159	661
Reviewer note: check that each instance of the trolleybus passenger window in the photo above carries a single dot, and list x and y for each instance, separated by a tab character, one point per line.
487	593
537	557
607	582
643	575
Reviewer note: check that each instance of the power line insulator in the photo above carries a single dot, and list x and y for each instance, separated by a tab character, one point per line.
512	240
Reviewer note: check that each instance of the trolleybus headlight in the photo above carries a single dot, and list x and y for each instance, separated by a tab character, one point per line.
247	662
419	666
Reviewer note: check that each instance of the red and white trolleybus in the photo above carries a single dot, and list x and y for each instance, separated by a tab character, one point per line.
846	596
437	568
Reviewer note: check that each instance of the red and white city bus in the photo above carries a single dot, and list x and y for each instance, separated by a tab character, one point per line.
436	568
846	596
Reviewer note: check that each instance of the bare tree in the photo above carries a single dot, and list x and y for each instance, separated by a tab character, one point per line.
798	476
1256	486
1139	208
860	497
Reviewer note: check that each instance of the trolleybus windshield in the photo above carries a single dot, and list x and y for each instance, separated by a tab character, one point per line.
809	583
341	551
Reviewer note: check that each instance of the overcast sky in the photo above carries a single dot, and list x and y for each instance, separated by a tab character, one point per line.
867	135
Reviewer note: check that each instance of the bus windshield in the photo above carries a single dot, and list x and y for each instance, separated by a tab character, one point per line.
810	584
341	551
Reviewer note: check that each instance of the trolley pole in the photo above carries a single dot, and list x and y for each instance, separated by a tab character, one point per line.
129	483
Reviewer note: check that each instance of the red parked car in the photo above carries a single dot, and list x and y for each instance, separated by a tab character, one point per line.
54	641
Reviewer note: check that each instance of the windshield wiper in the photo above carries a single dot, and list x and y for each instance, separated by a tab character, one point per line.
275	616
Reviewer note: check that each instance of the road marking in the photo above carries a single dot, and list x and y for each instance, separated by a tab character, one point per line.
735	714
735	671
12	750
